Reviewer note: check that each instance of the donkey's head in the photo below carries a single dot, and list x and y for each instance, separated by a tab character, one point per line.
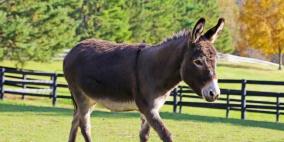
199	63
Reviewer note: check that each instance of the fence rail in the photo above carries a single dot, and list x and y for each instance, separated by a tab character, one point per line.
47	84
243	104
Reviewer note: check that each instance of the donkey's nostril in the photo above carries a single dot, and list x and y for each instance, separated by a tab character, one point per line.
211	93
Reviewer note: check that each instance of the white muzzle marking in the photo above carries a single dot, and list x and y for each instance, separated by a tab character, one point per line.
211	91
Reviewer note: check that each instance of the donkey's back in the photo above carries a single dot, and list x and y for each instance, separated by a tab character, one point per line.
122	78
101	69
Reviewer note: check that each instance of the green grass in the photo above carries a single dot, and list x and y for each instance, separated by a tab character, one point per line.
35	121
53	66
30	121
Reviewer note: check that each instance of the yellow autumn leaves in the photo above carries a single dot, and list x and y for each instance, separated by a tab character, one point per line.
262	24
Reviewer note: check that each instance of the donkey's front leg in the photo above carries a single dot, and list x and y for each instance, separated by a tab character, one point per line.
151	112
145	129
154	119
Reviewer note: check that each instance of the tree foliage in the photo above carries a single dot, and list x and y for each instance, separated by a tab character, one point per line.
32	30
263	25
104	19
37	29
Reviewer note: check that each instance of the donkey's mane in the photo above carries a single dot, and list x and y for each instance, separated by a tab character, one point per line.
183	34
105	45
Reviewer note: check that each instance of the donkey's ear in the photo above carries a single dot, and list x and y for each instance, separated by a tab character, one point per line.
213	32
198	29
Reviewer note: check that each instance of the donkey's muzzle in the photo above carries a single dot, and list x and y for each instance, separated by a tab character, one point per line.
211	91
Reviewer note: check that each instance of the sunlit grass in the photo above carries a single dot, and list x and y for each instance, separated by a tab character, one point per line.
28	121
249	72
52	66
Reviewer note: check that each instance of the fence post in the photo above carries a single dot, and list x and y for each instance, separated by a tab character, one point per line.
277	108
243	98
24	84
228	104
54	87
174	93
180	99
2	79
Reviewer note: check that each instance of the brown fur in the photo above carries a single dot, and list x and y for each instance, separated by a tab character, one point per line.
99	71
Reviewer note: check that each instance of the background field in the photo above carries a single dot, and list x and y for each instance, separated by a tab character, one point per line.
30	121
36	121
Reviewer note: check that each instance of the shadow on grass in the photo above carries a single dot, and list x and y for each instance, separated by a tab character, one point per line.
34	109
39	110
233	121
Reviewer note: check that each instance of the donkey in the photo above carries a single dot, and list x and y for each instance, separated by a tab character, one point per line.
125	77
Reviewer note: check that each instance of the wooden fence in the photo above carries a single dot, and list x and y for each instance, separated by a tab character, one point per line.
228	103
48	84
31	83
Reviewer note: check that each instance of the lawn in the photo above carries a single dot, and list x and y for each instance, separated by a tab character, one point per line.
30	121
36	121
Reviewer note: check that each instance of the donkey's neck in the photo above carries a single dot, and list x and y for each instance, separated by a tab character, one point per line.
162	63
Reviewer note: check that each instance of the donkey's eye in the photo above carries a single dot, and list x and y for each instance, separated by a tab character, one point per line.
197	62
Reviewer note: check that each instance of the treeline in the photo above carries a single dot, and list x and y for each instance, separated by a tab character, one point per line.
37	29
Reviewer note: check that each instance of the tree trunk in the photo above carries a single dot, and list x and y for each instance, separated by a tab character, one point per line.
280	58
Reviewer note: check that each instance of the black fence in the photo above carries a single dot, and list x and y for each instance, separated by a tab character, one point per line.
52	85
32	83
229	100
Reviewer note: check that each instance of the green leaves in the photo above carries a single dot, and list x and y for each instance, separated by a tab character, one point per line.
36	30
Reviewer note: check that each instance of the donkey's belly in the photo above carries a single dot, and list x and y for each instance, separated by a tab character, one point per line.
118	106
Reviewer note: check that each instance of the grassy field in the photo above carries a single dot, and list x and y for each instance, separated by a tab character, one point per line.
36	121
30	121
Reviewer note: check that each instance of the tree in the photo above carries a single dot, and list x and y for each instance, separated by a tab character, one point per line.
194	9
36	30
263	25
104	19
15	33
137	22
229	10
152	21
32	30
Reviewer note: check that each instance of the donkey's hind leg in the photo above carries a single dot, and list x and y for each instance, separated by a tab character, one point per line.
74	127
81	116
145	129
76	117
85	122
